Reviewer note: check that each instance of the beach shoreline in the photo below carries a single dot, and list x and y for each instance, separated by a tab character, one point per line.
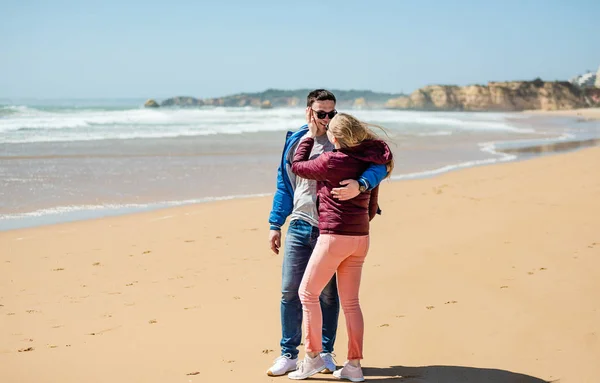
488	273
67	214
588	114
56	168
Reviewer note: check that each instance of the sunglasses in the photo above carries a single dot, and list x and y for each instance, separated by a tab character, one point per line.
321	115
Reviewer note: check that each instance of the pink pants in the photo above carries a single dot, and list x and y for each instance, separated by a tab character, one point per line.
345	255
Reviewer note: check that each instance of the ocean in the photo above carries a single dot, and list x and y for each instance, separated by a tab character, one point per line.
68	160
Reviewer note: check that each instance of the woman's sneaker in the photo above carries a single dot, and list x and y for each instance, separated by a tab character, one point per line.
349	372
283	365
308	367
329	361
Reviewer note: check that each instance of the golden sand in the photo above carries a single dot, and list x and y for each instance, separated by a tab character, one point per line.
489	274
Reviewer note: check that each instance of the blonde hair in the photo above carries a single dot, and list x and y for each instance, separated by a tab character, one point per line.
350	131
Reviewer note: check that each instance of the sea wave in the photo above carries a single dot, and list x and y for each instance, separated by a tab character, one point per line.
25	124
493	148
474	121
28	125
435	133
10	110
79	212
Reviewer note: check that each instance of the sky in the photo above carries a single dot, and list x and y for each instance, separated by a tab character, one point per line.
158	49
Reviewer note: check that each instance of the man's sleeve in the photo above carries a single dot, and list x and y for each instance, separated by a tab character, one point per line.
283	200
374	175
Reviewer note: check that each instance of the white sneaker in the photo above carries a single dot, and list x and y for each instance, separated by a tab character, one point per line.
307	368
283	365
330	363
349	372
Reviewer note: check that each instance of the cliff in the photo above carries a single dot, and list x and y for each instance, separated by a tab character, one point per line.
182	102
285	98
291	98
496	96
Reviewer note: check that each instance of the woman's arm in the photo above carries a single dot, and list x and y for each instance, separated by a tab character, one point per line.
311	169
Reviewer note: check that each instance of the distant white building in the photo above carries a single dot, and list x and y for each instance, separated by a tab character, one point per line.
587	80
598	78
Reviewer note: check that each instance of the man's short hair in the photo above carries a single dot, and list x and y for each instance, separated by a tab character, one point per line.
319	95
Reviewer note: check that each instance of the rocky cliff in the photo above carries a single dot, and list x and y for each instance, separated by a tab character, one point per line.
496	96
283	98
182	102
291	98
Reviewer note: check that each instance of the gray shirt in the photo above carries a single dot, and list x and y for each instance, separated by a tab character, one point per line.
305	193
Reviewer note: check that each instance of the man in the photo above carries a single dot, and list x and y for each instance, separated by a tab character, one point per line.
296	196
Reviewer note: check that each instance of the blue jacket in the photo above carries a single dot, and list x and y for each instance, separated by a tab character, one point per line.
283	201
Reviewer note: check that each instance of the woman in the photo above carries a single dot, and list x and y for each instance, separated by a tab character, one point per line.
344	235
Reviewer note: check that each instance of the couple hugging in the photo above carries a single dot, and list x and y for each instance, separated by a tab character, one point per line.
327	183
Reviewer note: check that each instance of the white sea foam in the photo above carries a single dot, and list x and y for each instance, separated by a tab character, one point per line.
451	167
21	124
74	209
455	120
486	147
433	134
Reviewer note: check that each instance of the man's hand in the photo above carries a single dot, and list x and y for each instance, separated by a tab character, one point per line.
348	192
275	240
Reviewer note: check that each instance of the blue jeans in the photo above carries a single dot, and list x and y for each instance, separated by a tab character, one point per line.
300	241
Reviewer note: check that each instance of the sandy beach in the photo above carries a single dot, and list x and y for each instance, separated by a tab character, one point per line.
487	274
586	114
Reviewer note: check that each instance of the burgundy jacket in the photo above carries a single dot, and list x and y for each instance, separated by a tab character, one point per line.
342	217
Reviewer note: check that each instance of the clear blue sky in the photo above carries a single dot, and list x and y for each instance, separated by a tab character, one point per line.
131	48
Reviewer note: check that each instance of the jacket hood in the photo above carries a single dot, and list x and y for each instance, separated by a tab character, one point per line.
375	151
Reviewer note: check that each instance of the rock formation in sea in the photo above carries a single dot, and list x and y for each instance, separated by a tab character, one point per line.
151	104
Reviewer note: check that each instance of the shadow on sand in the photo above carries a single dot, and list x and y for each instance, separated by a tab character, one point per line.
444	374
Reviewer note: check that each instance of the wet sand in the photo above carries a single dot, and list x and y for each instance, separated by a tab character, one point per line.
554	147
